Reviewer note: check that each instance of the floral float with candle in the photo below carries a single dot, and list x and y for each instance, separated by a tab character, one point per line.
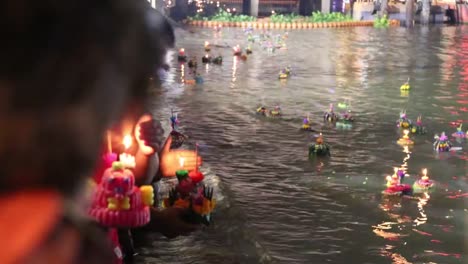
192	63
285	73
330	116
262	110
424	184
320	148
206	59
406	86
218	60
118	203
306	124
276	112
207	46
182	57
403	121
395	187
195	197
460	133
442	143
419	128
237	50
405	140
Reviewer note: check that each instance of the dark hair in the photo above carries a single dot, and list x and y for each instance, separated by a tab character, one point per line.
57	55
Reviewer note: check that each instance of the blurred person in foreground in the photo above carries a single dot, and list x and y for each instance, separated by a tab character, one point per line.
70	69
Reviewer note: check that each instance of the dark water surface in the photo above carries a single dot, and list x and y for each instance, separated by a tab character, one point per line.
275	206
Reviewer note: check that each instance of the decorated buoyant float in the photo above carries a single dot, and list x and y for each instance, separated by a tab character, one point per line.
395	186
424	184
306	124
405	139
190	194
206	59
284	73
118	203
207	46
276	112
217	60
319	148
262	110
345	120
403	121
237	50
406	86
442	143
419	127
330	115
181	56
192	63
460	133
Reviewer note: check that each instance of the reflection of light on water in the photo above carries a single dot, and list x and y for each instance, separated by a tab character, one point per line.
207	67
234	69
422	219
182	73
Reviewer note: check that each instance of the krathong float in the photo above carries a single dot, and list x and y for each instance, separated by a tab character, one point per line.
419	127
217	60
403	121
262	110
196	197
424	184
406	86
395	186
206	59
192	63
460	133
207	46
442	143
405	139
345	120
276	112
237	50
181	56
330	115
284	73
319	148
306	124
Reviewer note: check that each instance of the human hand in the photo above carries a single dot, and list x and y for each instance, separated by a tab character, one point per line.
170	222
149	135
171	160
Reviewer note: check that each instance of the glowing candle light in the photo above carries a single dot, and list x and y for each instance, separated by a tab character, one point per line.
182	52
207	46
425	177
406	132
181	162
126	159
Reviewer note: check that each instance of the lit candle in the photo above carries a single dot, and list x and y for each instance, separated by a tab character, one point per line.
207	46
236	50
181	162
126	159
406	132
424	177
182	52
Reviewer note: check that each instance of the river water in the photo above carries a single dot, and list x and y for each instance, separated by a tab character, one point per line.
276	206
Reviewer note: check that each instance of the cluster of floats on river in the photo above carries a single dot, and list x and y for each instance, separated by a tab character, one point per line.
343	118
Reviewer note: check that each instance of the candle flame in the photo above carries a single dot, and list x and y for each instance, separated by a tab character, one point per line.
395	169
389	178
182	50
207	43
181	162
127	141
406	131
424	171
